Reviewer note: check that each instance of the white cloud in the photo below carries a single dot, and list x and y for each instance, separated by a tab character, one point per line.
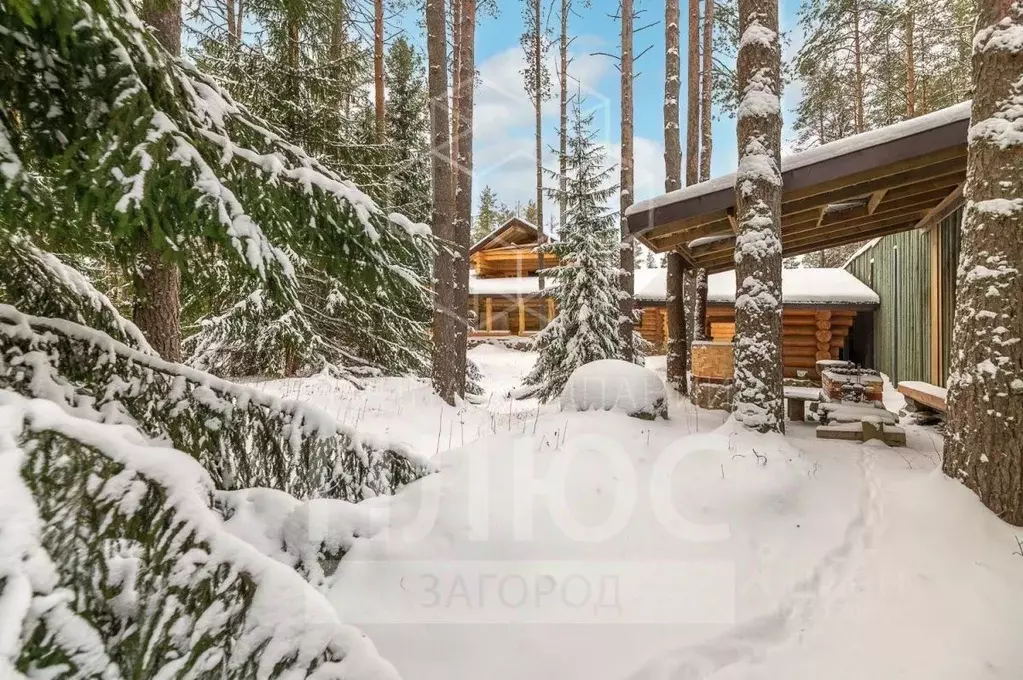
503	122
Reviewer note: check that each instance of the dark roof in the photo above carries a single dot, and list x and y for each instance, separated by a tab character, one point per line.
514	232
879	182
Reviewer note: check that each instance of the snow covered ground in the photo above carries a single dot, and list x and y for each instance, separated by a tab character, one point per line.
563	545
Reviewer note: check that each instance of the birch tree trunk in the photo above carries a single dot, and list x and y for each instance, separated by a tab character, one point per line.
758	400
693	97
449	325
984	438
706	103
627	260
378	68
677	346
156	309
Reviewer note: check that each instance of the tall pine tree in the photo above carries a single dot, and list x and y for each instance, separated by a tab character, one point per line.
585	284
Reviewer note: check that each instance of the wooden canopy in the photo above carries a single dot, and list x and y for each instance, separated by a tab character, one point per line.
901	177
514	232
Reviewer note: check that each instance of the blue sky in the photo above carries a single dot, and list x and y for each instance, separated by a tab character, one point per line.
503	126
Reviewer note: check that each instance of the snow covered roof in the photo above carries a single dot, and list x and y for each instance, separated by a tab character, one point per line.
878	182
509	285
810	286
514	231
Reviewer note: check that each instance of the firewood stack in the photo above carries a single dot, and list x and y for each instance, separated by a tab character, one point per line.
851	384
852	407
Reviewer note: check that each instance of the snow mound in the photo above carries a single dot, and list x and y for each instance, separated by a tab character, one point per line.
615	385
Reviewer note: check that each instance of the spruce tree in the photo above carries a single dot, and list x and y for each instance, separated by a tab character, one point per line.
490	215
408	130
585	284
110	139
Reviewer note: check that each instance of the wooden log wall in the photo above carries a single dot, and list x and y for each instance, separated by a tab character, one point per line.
653	327
807	335
509	262
506	315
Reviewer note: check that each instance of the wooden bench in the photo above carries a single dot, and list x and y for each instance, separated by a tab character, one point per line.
795	401
925	395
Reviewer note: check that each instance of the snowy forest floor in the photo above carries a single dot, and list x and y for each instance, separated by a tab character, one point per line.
594	545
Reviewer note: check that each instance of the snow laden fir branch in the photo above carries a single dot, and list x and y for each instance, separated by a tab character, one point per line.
243	437
128	145
116	565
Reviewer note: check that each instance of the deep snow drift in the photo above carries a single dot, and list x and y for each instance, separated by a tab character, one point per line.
595	545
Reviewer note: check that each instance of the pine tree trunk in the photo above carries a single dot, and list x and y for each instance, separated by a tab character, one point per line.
693	99
241	18
538	112
984	438
858	63
758	363
910	68
456	72
706	103
463	182
700	306
449	326
378	68
229	22
677	346
157	306
627	261
563	118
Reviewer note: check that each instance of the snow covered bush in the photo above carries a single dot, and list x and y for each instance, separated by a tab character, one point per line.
242	437
613	384
114	565
586	286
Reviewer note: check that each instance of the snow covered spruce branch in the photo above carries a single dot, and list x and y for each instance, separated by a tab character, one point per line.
40	283
115	565
133	146
244	438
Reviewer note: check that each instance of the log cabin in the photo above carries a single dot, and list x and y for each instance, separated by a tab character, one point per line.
505	298
826	314
821	306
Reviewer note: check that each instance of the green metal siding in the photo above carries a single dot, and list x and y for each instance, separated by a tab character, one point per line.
902	326
948	258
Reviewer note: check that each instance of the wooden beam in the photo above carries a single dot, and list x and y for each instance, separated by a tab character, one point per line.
684	224
522	316
687	256
875	200
790	250
913	204
668	241
550	309
943	209
826	234
488	306
857	189
732	222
